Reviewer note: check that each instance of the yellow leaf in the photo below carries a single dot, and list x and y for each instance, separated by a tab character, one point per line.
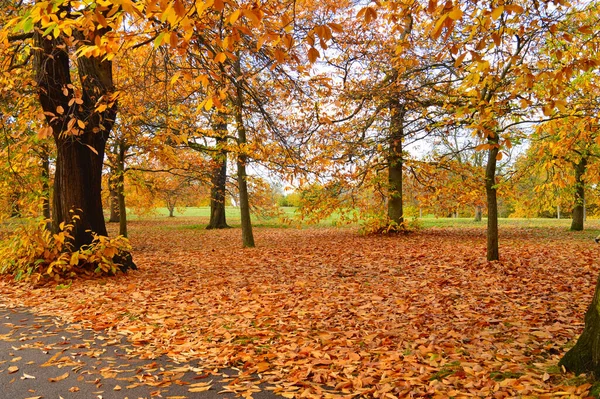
456	13
313	54
438	27
175	77
101	108
235	16
497	12
208	104
74	260
255	19
60	110
81	124
221	57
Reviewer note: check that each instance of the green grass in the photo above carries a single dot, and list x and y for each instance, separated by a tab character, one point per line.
429	221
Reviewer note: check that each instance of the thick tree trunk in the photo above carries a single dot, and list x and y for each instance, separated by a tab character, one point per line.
219	179
584	357
242	158
579	208
395	211
80	132
478	213
492	201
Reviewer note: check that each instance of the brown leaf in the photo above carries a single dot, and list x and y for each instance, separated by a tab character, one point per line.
59	378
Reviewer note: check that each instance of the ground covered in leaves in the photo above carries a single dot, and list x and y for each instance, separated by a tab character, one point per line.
327	312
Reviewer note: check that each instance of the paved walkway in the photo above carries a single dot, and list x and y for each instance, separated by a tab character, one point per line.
41	359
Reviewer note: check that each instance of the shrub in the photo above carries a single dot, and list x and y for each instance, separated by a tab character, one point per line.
378	224
34	253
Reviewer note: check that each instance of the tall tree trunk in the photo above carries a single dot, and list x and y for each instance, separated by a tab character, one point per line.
394	208
121	188
80	133
219	177
113	199
242	158
492	201
478	213
584	357
578	210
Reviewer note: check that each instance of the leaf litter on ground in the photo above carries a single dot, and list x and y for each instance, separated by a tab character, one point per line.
330	313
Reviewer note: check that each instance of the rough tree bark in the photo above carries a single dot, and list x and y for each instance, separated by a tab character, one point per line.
219	177
242	158
584	357
579	208
80	132
394	207
492	200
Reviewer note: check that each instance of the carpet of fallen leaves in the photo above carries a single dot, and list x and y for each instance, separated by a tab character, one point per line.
328	313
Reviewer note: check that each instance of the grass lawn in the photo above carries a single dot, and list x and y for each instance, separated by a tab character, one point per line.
197	218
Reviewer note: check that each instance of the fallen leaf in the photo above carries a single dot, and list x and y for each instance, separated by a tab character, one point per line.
59	378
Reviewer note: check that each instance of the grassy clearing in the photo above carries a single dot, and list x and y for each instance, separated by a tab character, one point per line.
198	218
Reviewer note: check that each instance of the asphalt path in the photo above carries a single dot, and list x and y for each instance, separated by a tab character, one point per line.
42	359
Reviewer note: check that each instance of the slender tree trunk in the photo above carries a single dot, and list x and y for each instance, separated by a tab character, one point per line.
492	201
558	211
242	158
584	357
80	133
46	188
15	211
478	213
121	189
394	208
113	200
219	178
578	210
